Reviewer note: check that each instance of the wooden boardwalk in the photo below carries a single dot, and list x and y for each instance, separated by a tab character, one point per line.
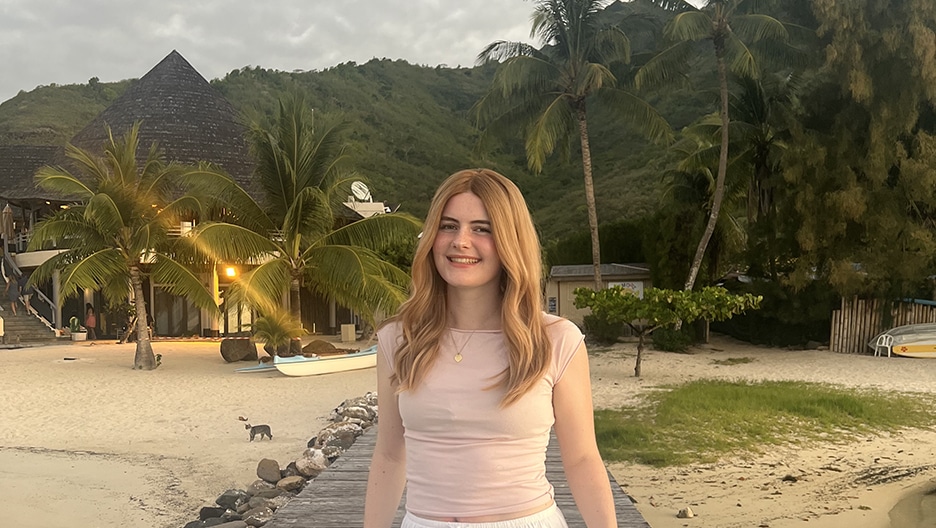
335	499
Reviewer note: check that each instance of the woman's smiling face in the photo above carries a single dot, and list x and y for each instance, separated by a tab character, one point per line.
464	251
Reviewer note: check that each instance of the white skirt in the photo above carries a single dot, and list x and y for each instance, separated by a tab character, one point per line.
549	518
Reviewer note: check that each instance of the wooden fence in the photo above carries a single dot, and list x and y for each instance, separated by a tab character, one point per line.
860	320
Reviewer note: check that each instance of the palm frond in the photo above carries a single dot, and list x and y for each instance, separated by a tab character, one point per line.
310	216
754	28
612	45
740	59
222	191
554	124
664	67
593	76
521	76
117	289
122	154
178	279
689	25
677	6
263	287
501	50
375	232
272	170
65	229
226	242
92	270
184	207
58	180
357	278
639	113
276	328
86	162
103	213
325	157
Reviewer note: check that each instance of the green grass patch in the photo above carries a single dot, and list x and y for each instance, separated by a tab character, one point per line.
703	420
732	361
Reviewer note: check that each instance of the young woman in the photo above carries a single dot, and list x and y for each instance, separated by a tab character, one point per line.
472	375
90	321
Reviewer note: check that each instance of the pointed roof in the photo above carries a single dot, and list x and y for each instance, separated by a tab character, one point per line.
189	119
18	163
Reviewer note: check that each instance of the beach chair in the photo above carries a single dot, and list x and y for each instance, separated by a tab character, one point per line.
885	341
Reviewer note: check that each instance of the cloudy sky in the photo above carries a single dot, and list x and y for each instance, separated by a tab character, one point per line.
69	41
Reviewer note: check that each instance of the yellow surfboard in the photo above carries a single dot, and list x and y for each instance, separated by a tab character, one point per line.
917	351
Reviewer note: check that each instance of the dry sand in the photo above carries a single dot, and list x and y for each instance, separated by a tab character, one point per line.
90	442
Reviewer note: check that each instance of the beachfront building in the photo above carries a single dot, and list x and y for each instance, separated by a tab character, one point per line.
563	280
191	122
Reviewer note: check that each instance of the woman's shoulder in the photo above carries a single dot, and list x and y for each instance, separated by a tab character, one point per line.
390	330
560	326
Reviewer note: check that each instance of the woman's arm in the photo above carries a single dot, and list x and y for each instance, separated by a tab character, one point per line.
388	466
575	429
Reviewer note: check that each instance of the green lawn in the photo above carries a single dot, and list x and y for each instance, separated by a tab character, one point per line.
703	420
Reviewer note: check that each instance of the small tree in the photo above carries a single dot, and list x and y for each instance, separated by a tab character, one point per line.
659	308
277	330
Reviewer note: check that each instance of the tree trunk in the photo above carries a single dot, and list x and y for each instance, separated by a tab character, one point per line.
640	348
295	309
589	193
143	359
722	168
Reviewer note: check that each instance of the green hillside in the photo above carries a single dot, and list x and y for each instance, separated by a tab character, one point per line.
410	128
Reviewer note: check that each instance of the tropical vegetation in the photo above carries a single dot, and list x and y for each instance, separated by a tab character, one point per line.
828	188
732	28
545	92
657	308
119	230
301	235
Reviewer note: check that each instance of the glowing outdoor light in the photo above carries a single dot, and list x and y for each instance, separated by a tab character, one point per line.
230	271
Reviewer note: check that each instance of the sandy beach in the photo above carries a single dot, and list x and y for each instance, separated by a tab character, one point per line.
837	484
87	441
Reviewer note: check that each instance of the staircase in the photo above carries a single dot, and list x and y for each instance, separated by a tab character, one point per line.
25	329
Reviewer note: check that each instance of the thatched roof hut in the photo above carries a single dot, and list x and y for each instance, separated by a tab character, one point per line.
179	110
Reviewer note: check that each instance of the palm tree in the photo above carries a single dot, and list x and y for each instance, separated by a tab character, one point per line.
728	24
546	92
120	231
301	235
689	185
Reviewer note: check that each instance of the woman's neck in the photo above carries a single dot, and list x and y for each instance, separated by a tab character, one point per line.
474	310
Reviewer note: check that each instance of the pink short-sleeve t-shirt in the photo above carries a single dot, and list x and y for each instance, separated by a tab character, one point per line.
465	455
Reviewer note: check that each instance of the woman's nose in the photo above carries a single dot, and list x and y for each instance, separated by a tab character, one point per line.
462	239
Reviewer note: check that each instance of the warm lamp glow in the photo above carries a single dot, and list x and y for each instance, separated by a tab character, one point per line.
230	272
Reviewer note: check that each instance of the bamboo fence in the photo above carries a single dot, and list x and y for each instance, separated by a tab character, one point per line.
861	320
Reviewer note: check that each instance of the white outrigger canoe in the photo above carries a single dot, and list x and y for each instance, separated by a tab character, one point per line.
915	340
312	366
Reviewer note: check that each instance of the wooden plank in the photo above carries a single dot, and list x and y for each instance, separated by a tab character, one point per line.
335	499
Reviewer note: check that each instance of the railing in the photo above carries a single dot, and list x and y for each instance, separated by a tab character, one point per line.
44	308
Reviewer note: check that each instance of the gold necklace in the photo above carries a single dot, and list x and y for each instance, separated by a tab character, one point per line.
458	355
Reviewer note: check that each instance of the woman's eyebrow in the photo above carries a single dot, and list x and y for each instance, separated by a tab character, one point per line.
450	219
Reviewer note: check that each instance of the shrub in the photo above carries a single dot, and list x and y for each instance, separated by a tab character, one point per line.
601	331
671	340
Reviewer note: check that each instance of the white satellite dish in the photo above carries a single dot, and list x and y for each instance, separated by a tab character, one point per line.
360	191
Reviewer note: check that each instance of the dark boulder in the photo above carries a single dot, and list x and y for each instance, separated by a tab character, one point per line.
238	349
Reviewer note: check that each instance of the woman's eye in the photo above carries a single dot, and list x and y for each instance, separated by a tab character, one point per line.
483	230
448	227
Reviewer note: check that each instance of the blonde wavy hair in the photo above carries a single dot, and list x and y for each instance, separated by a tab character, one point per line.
423	315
